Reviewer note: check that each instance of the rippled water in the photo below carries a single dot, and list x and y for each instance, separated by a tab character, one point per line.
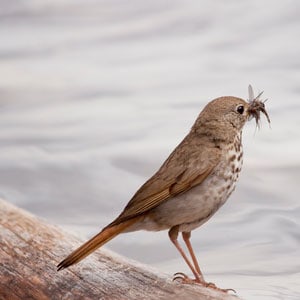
95	94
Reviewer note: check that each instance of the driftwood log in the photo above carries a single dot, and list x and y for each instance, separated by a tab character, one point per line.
30	250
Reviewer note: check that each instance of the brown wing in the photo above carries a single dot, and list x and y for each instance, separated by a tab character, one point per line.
188	165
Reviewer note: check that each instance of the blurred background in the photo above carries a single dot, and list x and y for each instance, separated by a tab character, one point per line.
94	95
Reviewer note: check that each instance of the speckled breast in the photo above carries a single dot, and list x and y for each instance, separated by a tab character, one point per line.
232	166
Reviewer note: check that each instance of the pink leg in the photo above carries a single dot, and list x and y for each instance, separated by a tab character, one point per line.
173	234
186	237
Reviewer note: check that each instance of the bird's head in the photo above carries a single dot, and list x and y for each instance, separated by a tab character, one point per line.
225	117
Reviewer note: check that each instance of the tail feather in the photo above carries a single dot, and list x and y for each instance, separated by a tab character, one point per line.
95	242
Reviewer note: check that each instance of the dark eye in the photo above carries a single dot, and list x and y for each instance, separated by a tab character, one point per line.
240	109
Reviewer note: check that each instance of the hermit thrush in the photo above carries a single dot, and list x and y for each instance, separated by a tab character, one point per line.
191	185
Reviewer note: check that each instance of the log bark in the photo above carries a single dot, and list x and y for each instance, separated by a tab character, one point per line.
30	250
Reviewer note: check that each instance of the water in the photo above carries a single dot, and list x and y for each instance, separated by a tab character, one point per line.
95	94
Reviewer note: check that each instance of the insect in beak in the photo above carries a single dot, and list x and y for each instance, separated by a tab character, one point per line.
256	106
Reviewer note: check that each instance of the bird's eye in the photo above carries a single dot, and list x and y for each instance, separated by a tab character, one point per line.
240	109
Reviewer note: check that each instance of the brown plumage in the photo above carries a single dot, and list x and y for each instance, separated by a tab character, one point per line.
194	181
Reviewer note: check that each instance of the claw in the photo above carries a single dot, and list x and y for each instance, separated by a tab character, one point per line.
181	274
177	278
187	280
213	286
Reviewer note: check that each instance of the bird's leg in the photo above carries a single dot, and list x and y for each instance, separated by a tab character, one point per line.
173	234
186	237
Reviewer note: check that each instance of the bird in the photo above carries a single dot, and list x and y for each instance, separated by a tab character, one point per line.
191	185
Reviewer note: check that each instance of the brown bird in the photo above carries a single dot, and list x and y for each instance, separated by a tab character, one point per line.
191	185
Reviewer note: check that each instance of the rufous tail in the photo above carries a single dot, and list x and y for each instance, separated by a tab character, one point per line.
95	242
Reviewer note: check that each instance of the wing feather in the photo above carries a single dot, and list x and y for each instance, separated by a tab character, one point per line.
188	165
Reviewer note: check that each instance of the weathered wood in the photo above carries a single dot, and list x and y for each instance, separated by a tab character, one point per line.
30	250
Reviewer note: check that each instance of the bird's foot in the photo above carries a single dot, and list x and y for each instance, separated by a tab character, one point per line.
183	278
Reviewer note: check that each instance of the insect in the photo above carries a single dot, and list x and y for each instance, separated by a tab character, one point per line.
256	106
